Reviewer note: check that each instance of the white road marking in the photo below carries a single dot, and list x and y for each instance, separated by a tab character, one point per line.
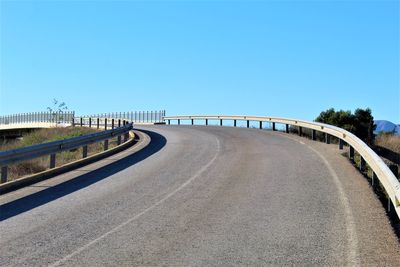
94	241
353	258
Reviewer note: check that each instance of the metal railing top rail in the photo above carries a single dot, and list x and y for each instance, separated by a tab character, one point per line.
134	116
382	171
30	152
45	116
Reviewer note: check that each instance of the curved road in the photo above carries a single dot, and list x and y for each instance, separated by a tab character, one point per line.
203	196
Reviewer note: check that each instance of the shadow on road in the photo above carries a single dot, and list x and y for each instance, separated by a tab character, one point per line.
40	198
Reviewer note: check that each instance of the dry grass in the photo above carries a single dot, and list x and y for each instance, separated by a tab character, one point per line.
389	141
36	165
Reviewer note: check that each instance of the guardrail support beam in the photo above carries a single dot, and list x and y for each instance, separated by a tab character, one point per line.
300	131
169	122
105	144
248	124
273	126
260	125
84	151
220	122
192	121
287	128
314	135
52	161
327	138
112	123
362	164
206	122
90	122
179	122
234	123
119	140
105	124
119	123
81	121
98	123
351	154
4	174
341	143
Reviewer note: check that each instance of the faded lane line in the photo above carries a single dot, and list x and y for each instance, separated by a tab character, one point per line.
94	241
353	258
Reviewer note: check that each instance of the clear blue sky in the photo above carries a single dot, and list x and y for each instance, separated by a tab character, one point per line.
290	59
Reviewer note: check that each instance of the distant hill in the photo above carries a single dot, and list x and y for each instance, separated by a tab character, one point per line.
387	127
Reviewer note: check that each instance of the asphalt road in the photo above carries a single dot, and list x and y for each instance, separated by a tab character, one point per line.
204	196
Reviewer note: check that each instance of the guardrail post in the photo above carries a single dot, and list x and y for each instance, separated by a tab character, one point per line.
105	144
327	138
84	151
112	123
4	174
351	154
314	135
119	122
273	126
260	125
206	122
123	122
234	123
300	131
119	140
287	128
52	161
192	121
362	164
374	180
169	122
90	122
248	124
98	123
220	122
179	122
341	143
105	124
81	121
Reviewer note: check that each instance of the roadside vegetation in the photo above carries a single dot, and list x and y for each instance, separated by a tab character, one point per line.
41	136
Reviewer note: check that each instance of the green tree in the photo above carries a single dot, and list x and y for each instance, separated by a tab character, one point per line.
361	123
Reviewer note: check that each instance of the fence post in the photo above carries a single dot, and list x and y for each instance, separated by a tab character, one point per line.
4	173
84	151
52	161
351	154
327	138
314	135
362	164
341	143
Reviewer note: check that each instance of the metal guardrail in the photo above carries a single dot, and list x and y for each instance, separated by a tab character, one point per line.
34	117
51	148
380	170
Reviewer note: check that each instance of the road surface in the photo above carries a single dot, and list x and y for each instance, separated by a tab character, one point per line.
204	196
